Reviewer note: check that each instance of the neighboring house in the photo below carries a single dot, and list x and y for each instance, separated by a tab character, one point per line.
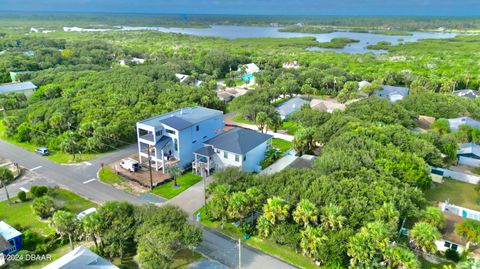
228	94
467	93
327	105
185	79
362	84
291	65
225	96
424	122
469	154
138	60
251	68
239	147
27	88
392	93
450	240
456	122
290	106
174	136
81	257
10	239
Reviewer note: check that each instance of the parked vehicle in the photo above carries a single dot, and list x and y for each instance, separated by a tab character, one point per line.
86	212
42	151
130	165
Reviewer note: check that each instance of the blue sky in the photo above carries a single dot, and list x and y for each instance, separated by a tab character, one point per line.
256	7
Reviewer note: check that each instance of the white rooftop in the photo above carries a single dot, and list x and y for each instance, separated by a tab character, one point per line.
7	231
81	257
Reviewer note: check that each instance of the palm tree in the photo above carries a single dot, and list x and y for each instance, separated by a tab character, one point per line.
65	223
305	213
91	227
275	209
263	226
332	218
254	196
219	203
423	236
174	171
238	205
311	239
6	176
470	230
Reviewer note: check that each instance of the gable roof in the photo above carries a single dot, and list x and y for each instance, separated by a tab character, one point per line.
7	231
392	93
456	122
183	118
205	151
81	257
16	87
291	106
238	140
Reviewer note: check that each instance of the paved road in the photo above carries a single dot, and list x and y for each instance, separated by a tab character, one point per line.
82	180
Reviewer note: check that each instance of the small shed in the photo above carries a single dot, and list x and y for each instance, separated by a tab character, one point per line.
27	88
10	239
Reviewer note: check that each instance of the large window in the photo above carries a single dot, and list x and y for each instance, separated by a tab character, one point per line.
159	133
175	142
225	155
198	128
237	158
170	131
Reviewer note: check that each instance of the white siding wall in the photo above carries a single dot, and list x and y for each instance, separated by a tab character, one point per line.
441	246
469	161
221	162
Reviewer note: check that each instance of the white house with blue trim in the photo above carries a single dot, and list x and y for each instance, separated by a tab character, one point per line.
238	147
392	93
176	135
291	106
469	154
10	239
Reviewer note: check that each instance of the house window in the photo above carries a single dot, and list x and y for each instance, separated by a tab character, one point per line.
204	137
175	142
447	244
13	246
244	157
170	131
225	155
217	150
237	157
194	141
198	128
159	133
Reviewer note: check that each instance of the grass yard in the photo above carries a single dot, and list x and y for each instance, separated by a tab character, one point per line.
21	213
57	253
185	181
459	193
184	258
282	145
290	126
279	251
239	119
56	156
108	176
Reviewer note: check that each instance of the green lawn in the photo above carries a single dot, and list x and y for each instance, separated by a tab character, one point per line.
108	176
185	181
459	193
57	253
239	119
282	145
279	251
184	258
56	156
290	126
69	201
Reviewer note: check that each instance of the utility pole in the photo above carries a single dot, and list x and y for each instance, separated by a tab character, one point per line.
150	167
239	253
202	173
4	183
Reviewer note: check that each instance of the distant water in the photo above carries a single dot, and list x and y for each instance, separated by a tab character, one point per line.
231	31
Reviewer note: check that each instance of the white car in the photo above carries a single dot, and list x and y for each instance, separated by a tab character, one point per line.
86	212
130	165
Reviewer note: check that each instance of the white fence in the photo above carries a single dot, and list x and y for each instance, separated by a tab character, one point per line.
460	211
472	179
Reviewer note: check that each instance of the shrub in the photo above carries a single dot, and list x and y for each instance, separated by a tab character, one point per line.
452	255
38	191
22	196
286	234
24	253
43	207
31	239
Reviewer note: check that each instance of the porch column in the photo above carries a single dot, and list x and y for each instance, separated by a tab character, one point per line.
163	162
156	160
195	164
139	146
208	166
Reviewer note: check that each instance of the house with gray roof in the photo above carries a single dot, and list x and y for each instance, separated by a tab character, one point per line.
173	137
392	93
467	93
290	106
469	154
27	88
81	257
456	122
238	147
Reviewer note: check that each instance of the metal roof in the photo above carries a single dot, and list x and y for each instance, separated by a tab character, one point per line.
16	87
183	118
467	93
7	231
291	106
205	151
456	122
238	140
81	257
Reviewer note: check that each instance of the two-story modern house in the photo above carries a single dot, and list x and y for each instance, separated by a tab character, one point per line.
10	239
239	147
176	135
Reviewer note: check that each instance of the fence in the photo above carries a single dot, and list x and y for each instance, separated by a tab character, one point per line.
460	211
472	179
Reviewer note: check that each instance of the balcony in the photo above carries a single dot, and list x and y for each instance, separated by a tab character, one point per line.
148	137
